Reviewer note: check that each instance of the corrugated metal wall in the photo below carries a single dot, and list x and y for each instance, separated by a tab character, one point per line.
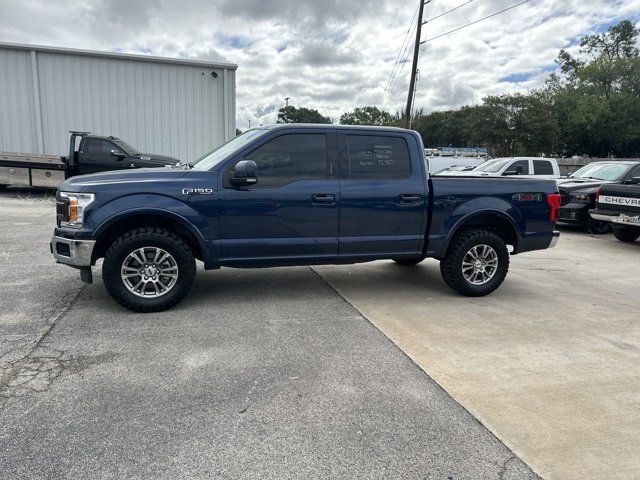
158	107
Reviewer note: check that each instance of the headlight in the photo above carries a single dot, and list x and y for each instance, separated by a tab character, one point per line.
584	197
74	206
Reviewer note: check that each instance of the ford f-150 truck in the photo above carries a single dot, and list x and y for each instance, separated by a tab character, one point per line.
297	195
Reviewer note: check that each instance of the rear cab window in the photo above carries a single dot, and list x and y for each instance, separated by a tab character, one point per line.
542	167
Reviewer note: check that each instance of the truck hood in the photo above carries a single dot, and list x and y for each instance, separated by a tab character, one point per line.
572	184
161	160
119	177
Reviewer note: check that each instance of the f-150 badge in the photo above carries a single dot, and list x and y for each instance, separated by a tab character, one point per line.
197	191
527	197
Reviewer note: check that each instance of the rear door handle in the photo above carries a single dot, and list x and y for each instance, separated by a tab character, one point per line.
409	198
323	198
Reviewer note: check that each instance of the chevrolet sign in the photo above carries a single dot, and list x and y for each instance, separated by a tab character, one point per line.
623	201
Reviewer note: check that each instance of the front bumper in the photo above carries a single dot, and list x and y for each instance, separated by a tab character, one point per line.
72	252
554	239
575	213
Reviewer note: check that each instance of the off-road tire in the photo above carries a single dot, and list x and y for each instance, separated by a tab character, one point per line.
408	262
451	264
148	237
626	234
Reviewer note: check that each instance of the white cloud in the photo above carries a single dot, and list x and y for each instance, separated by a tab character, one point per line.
331	55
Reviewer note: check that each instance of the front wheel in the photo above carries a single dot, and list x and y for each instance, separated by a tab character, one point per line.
626	234
148	270
476	263
598	227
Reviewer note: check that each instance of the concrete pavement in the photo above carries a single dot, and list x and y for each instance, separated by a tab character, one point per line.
258	374
550	362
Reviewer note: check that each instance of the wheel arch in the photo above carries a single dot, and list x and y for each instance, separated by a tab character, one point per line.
117	225
495	220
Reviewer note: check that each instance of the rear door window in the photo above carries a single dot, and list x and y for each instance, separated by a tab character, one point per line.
542	167
373	157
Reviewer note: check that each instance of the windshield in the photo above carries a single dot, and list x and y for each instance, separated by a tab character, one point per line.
126	147
602	171
492	166
211	159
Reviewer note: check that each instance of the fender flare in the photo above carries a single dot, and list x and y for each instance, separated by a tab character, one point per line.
460	223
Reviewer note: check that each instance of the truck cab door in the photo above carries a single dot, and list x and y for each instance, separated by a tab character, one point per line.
96	155
290	215
383	196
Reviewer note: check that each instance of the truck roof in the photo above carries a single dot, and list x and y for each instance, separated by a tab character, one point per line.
330	126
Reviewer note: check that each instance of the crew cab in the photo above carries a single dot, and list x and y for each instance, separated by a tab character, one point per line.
578	191
94	154
538	167
619	205
297	195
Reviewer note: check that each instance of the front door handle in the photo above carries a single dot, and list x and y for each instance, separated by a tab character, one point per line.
410	198
323	198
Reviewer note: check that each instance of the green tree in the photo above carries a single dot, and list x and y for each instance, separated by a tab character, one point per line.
369	115
291	114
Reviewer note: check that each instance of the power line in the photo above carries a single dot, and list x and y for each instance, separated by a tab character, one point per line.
401	53
445	13
474	22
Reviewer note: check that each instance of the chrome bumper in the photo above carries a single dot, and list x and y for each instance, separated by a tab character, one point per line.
76	253
602	217
554	240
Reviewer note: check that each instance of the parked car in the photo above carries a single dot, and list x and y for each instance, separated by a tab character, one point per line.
94	154
537	167
619	205
578	191
439	164
297	195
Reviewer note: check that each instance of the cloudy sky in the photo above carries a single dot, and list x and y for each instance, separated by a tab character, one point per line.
331	55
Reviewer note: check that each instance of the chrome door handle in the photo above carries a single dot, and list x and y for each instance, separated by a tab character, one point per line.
409	198
323	198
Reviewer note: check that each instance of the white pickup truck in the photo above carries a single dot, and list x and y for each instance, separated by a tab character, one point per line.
537	167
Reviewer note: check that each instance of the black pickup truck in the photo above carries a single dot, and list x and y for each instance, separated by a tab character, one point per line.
619	205
94	154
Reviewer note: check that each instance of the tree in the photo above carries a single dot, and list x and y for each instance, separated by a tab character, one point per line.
291	114
367	116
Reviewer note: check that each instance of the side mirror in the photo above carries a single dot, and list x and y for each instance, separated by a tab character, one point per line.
245	173
519	170
633	181
119	154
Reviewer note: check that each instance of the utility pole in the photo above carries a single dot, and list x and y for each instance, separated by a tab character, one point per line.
414	69
287	101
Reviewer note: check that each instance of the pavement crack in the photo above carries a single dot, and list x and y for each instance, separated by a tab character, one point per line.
505	465
32	367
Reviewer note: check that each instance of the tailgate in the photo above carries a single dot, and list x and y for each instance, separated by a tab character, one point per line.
622	198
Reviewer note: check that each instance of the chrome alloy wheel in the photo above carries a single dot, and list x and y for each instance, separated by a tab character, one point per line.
480	264
149	272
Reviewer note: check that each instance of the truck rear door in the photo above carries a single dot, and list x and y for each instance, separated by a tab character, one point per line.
383	195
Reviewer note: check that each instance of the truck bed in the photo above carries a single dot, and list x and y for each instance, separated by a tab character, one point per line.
26	169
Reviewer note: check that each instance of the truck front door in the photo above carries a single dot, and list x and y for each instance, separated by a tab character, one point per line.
291	214
382	196
95	155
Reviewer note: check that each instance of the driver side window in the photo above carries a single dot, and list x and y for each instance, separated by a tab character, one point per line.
514	167
287	159
98	149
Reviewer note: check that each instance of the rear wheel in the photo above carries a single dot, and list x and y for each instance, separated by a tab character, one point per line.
626	234
476	263
148	270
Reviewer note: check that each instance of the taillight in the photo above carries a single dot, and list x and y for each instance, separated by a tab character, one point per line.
597	194
553	200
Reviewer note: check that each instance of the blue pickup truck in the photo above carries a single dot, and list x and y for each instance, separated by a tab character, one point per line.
297	195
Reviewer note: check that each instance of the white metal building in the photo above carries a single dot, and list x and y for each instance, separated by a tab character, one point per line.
168	106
